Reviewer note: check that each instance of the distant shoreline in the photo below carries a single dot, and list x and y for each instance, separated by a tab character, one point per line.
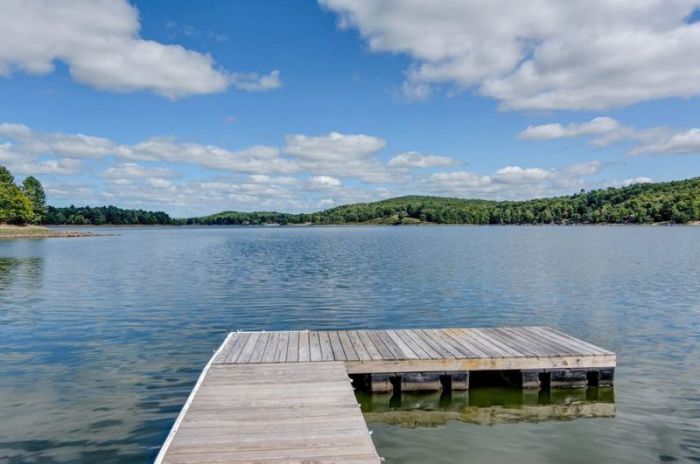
361	224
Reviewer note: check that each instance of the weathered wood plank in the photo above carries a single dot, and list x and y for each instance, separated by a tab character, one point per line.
433	351
336	346
404	350
269	355
489	336
373	351
348	347
554	346
326	348
236	346
304	348
461	337
293	347
249	347
446	349
582	345
281	350
360	349
315	347
379	343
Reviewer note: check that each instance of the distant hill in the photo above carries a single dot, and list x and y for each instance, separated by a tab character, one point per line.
675	202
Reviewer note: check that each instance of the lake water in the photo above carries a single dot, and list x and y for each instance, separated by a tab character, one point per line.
102	338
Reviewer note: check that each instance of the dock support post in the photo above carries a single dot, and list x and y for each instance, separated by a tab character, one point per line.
420	381
457	381
602	377
568	378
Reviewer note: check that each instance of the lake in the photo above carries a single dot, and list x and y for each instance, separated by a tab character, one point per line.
102	338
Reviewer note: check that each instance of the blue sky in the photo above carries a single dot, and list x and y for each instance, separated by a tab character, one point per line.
197	107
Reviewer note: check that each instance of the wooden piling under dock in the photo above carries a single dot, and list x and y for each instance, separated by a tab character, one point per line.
286	396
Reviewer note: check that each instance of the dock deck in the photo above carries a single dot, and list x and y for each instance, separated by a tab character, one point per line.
286	396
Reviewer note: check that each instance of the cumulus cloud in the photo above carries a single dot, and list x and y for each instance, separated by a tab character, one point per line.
413	159
337	154
254	159
541	55
77	145
512	182
324	183
131	170
670	143
23	164
254	82
636	180
99	41
604	131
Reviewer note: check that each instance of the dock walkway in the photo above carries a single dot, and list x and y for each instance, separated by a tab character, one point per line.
286	396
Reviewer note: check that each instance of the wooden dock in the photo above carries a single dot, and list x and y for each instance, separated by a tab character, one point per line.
287	396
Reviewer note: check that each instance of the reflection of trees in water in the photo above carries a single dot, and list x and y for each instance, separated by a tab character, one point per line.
487	406
19	278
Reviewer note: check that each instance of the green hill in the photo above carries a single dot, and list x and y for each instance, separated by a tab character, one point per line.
676	202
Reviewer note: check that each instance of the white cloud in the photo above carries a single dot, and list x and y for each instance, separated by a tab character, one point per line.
99	41
333	147
518	175
254	159
131	170
670	143
77	145
159	183
31	165
636	180
604	131
413	159
254	82
336	154
543	54
324	183
512	182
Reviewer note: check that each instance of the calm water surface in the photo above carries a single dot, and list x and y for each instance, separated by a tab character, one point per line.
101	339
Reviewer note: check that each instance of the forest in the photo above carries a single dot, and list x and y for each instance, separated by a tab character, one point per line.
102	215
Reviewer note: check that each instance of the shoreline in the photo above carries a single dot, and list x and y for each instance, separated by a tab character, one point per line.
8	232
369	224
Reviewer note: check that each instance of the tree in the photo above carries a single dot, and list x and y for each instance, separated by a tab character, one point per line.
15	207
33	189
6	176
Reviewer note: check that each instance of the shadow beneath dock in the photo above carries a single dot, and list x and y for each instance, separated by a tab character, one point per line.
487	406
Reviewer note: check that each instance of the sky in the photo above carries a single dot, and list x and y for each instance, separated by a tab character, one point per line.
198	107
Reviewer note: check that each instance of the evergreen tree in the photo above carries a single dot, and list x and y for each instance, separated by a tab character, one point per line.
6	176
33	189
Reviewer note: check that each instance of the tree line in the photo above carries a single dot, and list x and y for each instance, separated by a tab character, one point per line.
105	215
